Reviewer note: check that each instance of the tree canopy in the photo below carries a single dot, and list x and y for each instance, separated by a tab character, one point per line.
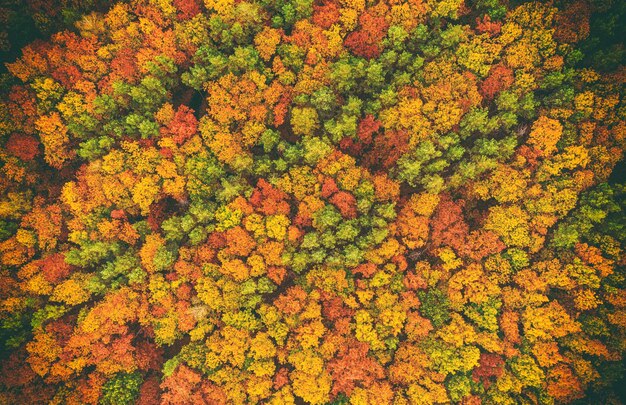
322	202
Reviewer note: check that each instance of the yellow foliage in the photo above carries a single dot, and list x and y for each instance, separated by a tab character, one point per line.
53	135
407	115
43	350
149	249
113	162
393	318
550	321
145	193
261	347
364	330
311	388
545	134
276	226
70	292
426	393
479	54
13	203
471	284
585	300
235	269
37	285
266	42
444	8
165	329
450	261
227	218
282	397
309	334
510	223
222	7
256	264
386	251
458	332
26	238
424	203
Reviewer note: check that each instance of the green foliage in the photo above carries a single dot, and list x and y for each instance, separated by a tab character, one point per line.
435	306
123	388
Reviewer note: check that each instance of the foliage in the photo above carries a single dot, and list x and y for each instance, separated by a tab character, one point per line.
324	202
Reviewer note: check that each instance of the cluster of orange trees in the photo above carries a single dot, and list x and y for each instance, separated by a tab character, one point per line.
315	201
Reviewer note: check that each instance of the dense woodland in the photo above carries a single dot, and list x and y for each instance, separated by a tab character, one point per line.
312	202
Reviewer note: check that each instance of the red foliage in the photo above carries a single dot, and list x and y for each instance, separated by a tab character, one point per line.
148	355
184	292
281	378
88	389
186	386
150	392
532	156
113	349
291	302
43	6
124	66
325	15
573	23
158	311
67	75
146	143
23	146
15	372
19	384
61	329
281	108
183	126
387	149
54	268
368	126
481	244
448	226
414	281
268	199
276	274
400	261
187	9
365	41
329	187
239	242
216	240
366	269
118	214
350	146
384	149
345	203
351	366
23	108
157	214
486	25
334	308
204	254
500	78
166	153
490	365
302	220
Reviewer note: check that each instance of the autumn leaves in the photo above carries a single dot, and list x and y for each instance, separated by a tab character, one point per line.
390	202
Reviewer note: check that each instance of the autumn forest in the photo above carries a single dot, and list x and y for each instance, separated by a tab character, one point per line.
325	202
